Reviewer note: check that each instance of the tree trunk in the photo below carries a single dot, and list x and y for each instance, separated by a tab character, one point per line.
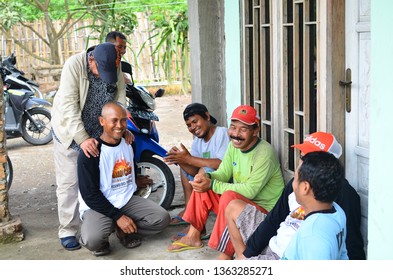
10	227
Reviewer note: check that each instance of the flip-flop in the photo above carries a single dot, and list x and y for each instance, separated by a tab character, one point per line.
183	247
181	234
70	243
179	223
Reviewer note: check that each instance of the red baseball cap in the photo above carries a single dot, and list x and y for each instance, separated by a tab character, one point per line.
320	141
246	114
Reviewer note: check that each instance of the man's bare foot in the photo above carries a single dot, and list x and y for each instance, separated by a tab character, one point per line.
223	256
185	243
178	220
180	234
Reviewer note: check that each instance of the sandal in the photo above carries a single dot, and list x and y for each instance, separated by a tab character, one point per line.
178	221
129	242
177	236
181	234
70	243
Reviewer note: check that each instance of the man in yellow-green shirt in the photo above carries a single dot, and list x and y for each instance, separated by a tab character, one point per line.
249	171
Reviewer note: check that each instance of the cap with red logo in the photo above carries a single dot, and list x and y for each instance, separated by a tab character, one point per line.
320	141
246	114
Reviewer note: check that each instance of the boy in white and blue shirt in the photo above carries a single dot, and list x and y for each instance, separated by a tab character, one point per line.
323	232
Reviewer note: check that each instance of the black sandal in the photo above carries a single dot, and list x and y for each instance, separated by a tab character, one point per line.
129	241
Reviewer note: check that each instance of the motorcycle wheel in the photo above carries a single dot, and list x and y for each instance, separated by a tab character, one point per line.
40	134
163	189
9	171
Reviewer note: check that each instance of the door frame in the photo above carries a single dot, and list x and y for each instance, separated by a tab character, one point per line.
331	69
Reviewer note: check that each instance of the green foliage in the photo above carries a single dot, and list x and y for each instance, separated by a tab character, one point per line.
57	11
10	12
170	9
14	11
169	18
172	31
109	15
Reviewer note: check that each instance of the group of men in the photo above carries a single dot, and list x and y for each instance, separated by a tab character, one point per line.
230	171
95	172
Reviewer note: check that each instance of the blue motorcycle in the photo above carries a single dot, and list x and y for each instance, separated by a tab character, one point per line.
147	150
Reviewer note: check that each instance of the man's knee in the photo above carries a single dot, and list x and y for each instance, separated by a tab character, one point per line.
234	208
164	220
226	198
185	176
185	180
159	220
93	240
229	210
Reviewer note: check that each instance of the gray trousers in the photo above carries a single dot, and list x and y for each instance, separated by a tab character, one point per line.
149	217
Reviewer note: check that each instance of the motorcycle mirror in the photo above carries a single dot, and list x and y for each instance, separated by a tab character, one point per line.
12	59
126	67
160	92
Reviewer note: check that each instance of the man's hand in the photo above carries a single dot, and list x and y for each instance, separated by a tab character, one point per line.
178	155
201	182
129	137
126	224
143	181
89	147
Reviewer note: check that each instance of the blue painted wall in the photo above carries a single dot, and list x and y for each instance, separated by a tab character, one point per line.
232	55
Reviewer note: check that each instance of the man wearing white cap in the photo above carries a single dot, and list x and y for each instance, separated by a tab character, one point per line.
250	171
267	237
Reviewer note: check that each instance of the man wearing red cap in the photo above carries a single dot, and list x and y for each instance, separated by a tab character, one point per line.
250	171
266	238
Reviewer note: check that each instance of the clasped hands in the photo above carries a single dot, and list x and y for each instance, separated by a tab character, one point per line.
201	181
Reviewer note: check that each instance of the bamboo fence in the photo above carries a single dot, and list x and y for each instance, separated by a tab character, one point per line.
77	39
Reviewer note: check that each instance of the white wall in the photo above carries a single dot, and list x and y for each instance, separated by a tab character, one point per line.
380	220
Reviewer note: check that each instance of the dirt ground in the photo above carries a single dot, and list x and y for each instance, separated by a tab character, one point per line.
32	197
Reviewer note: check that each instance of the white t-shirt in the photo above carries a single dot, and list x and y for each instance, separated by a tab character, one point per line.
214	148
117	175
288	228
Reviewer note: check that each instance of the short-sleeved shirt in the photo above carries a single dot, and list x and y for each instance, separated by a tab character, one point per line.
321	237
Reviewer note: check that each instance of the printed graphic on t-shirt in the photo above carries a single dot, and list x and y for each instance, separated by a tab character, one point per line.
206	154
122	174
298	213
295	218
